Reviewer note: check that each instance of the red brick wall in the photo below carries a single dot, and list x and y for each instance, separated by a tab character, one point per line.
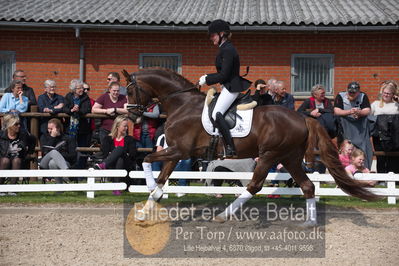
367	57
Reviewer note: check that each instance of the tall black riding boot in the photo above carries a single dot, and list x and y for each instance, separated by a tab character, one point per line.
224	130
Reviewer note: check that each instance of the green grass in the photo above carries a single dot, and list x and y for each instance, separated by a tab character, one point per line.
106	197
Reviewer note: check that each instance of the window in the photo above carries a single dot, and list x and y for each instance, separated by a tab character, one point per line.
308	70
7	67
171	61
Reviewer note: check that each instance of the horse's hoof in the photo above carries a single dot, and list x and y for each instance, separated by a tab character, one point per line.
140	215
308	224
219	219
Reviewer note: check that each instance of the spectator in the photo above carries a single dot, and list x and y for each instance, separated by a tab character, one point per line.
14	146
27	91
49	102
110	103
386	136
320	108
345	152
231	165
15	103
119	149
260	96
144	132
182	165
357	166
115	77
282	97
58	151
86	89
352	107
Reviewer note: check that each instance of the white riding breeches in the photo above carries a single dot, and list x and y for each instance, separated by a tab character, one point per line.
226	98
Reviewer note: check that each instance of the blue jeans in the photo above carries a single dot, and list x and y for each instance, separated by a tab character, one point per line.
183	165
145	141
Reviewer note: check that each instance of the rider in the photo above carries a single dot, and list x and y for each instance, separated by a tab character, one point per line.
228	75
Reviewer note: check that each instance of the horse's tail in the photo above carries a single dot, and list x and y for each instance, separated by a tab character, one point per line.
318	137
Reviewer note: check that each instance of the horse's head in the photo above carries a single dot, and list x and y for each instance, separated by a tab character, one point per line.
139	97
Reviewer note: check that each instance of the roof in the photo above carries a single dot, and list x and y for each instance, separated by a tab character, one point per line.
201	12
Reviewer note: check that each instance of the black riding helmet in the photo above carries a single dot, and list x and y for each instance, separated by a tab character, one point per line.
218	26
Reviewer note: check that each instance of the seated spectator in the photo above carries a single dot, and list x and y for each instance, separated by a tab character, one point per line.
320	108
182	165
115	77
111	103
14	146
58	151
282	97
119	149
261	96
49	102
15	103
345	152
19	75
144	132
357	166
386	135
352	108
231	165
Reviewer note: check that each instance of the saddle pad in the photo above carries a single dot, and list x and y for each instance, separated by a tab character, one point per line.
242	128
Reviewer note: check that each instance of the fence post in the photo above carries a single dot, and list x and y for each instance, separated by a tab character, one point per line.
90	180
391	186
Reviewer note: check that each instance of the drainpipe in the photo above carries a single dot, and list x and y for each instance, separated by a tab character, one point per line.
81	55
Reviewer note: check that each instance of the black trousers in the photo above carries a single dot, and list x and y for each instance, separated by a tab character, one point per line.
385	164
117	159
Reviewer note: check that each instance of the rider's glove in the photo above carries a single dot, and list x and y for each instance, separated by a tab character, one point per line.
202	80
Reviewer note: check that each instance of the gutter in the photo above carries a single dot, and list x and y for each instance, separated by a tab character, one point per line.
196	28
81	55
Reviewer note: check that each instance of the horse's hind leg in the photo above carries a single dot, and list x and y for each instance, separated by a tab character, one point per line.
294	167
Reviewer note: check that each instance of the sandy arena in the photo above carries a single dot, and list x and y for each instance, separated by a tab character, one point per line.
93	235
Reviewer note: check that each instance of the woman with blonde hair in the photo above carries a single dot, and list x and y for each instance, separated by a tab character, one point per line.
386	137
119	149
14	145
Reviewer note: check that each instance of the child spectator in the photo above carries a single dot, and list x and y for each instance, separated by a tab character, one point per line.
357	166
345	152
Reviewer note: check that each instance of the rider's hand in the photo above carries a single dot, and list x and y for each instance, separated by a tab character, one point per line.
202	80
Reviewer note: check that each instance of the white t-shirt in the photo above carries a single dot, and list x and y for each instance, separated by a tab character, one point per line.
161	141
388	108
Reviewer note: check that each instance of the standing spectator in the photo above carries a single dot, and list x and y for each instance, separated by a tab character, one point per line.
282	97
111	103
115	77
386	136
58	151
352	107
261	96
19	75
14	146
49	102
86	89
320	108
144	132
118	148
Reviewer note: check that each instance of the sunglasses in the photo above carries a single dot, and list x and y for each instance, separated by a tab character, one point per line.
86	89
108	79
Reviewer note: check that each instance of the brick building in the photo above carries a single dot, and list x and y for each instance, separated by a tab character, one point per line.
302	42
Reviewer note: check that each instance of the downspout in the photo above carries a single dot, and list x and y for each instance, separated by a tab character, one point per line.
81	55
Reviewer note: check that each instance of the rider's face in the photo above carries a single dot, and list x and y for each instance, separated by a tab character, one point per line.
214	37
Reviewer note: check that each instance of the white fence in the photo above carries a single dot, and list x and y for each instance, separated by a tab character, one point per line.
90	186
390	191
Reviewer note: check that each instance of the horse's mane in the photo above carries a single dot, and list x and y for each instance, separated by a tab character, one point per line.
169	74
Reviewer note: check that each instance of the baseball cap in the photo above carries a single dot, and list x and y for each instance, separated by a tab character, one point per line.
353	87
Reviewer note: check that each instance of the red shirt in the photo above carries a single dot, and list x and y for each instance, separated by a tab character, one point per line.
119	143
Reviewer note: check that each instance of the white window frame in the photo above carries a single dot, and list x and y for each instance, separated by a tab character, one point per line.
179	59
329	87
7	77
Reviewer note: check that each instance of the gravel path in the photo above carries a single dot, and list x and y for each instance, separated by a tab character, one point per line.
93	235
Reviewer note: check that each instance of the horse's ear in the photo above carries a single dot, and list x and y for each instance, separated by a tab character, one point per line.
126	74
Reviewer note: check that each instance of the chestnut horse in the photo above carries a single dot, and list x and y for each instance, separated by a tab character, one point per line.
278	135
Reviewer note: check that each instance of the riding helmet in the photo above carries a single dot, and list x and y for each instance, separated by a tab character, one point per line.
217	26
353	87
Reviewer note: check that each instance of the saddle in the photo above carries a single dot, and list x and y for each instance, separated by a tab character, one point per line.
243	102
